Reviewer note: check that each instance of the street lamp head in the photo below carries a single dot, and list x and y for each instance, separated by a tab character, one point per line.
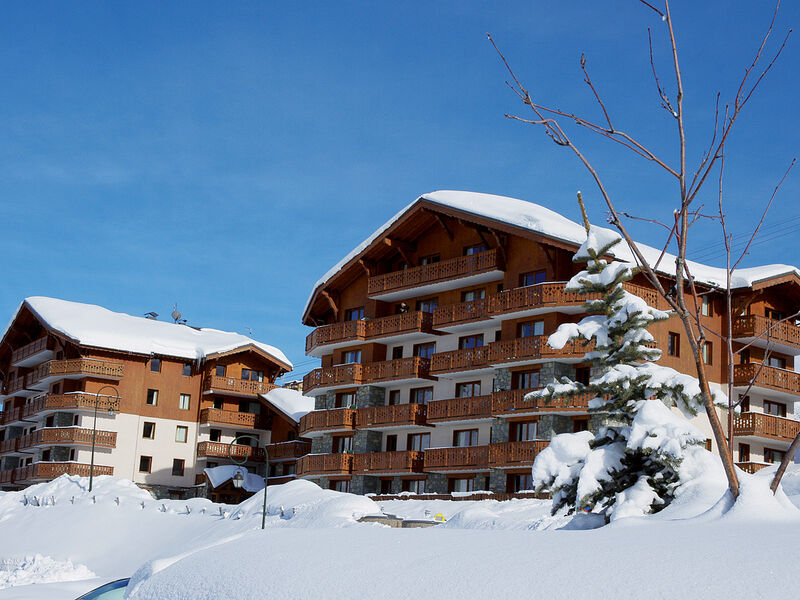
238	480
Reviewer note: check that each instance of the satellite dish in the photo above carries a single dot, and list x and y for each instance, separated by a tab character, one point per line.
176	315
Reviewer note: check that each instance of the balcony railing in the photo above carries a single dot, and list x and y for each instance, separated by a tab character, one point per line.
12	415
536	296
74	401
81	367
288	450
243	420
15	386
453	268
534	348
513	402
512	454
356	374
337	419
763	425
29	350
460	360
220	450
768	377
461	458
396	415
388	462
753	326
235	386
324	464
751	467
6	476
460	409
458	314
51	470
368	329
11	445
63	436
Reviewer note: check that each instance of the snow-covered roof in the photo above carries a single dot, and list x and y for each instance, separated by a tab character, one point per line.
290	402
219	475
98	327
538	219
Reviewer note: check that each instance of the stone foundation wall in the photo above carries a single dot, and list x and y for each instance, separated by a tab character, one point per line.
497	481
364	484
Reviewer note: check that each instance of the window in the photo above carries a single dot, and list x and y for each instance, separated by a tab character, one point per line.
425	350
460	484
474	249
183	401
76	420
145	464
415	486
220	370
289	468
580	425
391	443
397	352
46	455
532	278
522	431
429	260
473	295
215	435
706	307
342	444
465	437
583	375
469	389
774	408
418	441
72	454
421	395
744	452
148	430
341	485
525	380
218	404
777	362
152	397
177	467
345	400
519	483
428	305
530	329
773	314
468	342
251	375
394	397
187	369
351	357
155	365
708	352
181	433
354	314
773	456
56	389
674	344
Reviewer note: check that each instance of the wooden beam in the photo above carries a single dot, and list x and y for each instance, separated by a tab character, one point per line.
367	265
501	241
740	305
444	226
402	247
551	259
332	302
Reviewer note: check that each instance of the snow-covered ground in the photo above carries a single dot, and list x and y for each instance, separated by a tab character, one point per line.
314	547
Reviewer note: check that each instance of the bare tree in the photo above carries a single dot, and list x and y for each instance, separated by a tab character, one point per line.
682	296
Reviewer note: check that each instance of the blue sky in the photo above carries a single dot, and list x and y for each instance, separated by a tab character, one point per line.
225	155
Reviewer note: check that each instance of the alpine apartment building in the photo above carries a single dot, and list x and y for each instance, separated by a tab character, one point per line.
170	399
433	330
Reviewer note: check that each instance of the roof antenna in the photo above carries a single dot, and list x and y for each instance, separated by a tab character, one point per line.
176	315
151	315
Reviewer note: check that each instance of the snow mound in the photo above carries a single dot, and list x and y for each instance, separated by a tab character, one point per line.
75	489
39	569
756	502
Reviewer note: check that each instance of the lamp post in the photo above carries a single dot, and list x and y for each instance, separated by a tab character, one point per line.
111	406
238	479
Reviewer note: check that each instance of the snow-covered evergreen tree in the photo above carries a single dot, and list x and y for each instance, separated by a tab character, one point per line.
631	465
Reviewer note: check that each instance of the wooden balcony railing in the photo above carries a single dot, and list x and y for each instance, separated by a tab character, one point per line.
9	445
460	360
512	454
356	374
15	386
751	467
29	350
513	402
73	401
751	326
336	419
6	476
233	418
763	425
367	329
51	470
461	458
12	415
82	367
324	464
535	296
534	348
768	377
409	461
460	409
453	268
220	450
396	415
464	312
288	450
63	436
238	387
350	374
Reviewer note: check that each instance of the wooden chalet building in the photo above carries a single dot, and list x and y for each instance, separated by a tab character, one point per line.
433	330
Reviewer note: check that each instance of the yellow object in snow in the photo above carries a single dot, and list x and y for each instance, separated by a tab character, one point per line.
439	517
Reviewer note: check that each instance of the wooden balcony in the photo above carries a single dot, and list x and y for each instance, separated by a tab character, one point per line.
456	361
444	272
73	368
460	409
771	378
15	386
769	332
533	298
51	470
337	376
515	454
335	419
388	462
233	418
534	348
6	476
751	467
288	450
396	415
463	313
512	403
317	465
465	458
369	329
765	426
11	445
31	353
12	416
71	436
357	374
220	450
235	387
75	401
